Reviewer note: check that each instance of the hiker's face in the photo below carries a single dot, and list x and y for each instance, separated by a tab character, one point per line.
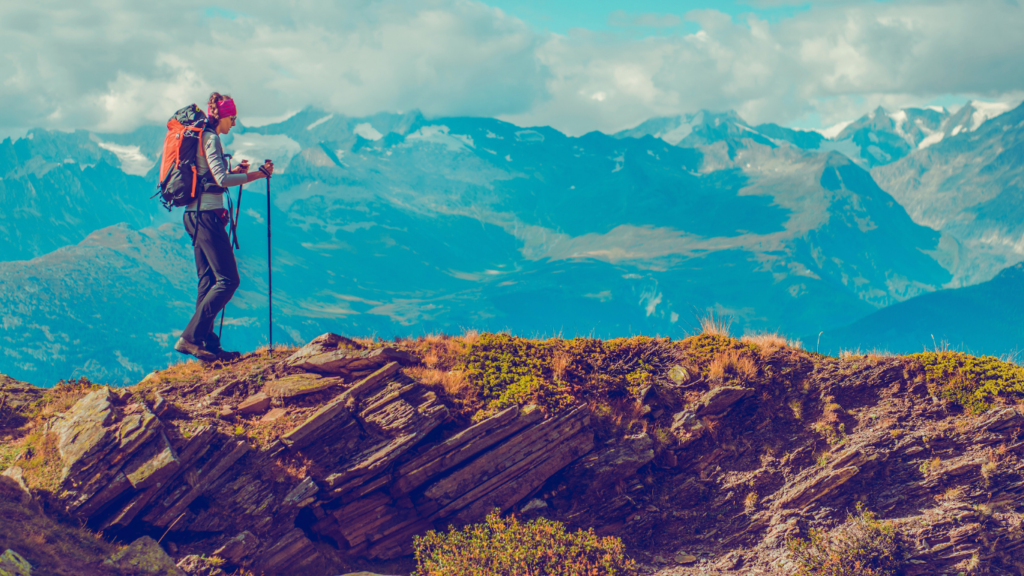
225	125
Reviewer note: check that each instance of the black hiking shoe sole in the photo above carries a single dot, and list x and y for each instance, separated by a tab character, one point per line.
186	347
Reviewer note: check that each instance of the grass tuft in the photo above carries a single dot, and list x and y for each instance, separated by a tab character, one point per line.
507	546
863	545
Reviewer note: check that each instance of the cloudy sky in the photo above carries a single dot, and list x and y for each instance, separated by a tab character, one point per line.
576	65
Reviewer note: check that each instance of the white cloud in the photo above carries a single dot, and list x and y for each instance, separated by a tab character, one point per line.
836	60
112	65
115	65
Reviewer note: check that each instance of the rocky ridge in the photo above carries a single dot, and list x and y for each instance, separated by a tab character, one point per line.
335	455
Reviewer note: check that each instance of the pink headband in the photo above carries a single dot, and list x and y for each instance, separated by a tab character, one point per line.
222	109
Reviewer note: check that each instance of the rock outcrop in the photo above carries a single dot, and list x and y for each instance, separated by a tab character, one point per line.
362	453
363	470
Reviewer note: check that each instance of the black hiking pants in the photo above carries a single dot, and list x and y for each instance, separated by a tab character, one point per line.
216	268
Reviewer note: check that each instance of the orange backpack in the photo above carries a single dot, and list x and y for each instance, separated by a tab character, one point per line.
180	182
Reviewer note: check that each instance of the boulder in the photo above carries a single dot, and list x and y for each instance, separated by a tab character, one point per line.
720	400
274	414
17	395
237	549
12	564
255	404
13	487
336	355
153	465
299	385
145	557
622	459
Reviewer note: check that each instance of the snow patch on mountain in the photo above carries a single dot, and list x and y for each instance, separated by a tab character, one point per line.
440	135
676	135
366	130
834	130
133	161
320	121
987	110
933	138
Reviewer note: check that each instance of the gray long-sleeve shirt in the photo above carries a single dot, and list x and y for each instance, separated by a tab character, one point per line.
213	160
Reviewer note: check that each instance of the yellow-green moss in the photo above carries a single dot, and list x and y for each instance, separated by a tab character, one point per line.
974	382
505	370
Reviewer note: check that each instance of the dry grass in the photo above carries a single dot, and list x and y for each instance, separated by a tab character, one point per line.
849	354
769	342
955	494
63	396
750	502
797	407
559	364
440	351
715	325
41	462
732	364
51	547
452	382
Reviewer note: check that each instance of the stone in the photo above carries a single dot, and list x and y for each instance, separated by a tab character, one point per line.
299	385
292	550
679	375
238	548
12	564
684	558
720	400
337	355
337	408
300	495
607	465
535	504
465	445
13	486
683	421
17	395
152	465
256	404
145	557
323	343
275	414
816	488
730	561
82	431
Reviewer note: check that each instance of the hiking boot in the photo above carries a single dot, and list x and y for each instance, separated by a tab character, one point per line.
186	347
213	346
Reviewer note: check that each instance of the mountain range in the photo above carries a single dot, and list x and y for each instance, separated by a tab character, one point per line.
397	224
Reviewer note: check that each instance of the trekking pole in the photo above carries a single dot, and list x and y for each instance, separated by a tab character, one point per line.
220	331
270	270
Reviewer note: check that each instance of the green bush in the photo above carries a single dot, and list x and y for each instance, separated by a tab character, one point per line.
973	382
863	546
507	370
506	547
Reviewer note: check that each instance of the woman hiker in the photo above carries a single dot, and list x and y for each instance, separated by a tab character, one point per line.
207	227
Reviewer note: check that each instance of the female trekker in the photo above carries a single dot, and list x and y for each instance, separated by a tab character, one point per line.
206	221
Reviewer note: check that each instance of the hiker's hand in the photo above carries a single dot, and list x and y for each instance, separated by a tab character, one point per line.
241	168
267	168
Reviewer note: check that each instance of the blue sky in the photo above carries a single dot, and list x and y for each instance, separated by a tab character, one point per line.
562	16
575	65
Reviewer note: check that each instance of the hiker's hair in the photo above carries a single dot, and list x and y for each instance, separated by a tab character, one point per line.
212	105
